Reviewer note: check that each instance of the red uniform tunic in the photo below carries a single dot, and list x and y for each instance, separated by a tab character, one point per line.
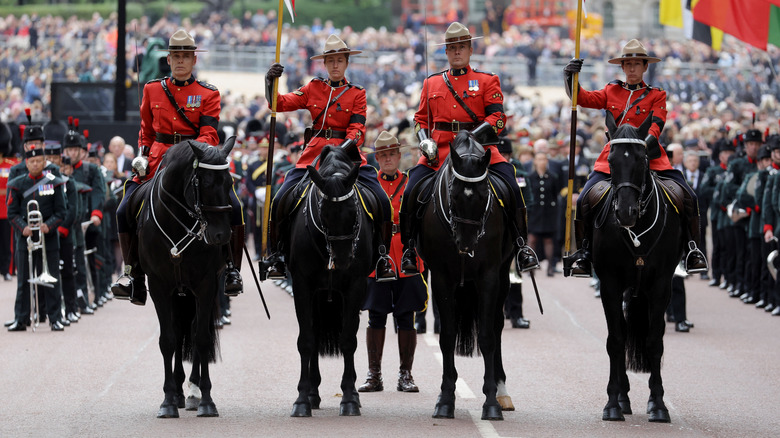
479	90
394	186
201	103
347	114
5	170
615	97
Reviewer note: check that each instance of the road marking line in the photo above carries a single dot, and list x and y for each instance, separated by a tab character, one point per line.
485	427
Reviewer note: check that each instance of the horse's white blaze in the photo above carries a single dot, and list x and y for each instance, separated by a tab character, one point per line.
468	192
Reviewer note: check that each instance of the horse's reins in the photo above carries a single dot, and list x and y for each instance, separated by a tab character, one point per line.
196	212
322	229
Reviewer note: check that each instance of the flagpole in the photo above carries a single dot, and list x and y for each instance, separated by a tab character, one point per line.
573	134
269	173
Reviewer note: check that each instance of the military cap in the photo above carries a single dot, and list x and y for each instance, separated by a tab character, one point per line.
182	41
753	135
457	33
764	152
32	132
52	147
34	152
504	145
335	46
73	139
634	50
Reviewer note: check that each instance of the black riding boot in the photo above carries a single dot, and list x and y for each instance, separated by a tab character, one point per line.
375	344
385	268
135	290
526	258
233	283
695	260
409	257
578	264
273	266
407	343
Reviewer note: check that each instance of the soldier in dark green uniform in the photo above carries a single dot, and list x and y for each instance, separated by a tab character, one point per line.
89	175
712	180
46	189
770	217
751	190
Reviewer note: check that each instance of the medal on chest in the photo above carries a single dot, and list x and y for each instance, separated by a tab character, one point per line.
473	85
193	101
45	189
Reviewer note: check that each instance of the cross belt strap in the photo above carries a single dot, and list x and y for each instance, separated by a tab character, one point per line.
179	109
460	99
172	138
455	126
633	104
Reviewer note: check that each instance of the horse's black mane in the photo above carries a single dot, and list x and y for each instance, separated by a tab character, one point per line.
334	168
466	142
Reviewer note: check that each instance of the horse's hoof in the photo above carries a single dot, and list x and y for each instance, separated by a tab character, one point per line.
625	405
207	410
659	416
180	401
168	411
191	403
657	412
349	409
444	410
613	414
506	403
301	410
492	413
315	400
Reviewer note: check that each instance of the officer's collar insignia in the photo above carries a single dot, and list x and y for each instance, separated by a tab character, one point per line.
387	177
193	101
634	87
179	83
473	85
336	84
458	72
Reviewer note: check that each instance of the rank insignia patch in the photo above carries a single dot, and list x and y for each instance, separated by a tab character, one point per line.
499	124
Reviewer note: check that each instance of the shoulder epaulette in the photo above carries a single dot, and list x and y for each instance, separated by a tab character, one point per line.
616	82
156	80
483	72
359	87
317	78
437	73
207	85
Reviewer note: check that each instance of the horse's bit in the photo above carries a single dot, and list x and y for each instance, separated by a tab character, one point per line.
196	212
451	218
354	237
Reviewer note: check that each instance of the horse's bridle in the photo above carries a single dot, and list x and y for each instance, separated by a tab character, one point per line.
452	219
196	212
354	237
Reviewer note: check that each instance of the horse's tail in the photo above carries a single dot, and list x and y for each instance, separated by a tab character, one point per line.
637	329
467	306
184	313
328	320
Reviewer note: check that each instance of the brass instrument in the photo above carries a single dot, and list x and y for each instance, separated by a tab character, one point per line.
34	222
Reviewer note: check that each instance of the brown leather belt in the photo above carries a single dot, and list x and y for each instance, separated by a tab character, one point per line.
330	133
455	126
172	138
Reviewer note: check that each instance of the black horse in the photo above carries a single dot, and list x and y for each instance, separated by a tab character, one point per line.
333	248
467	244
637	244
183	227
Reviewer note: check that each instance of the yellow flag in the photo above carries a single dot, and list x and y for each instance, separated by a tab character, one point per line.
670	13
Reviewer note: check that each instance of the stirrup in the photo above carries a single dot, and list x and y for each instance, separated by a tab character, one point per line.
384	258
123	291
526	259
693	253
273	268
409	262
235	286
576	265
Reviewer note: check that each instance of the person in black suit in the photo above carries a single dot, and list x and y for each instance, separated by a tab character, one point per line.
543	218
117	147
694	176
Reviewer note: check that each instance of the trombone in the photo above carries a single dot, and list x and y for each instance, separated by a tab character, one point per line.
34	222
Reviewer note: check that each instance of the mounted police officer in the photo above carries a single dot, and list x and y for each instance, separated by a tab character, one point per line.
630	102
338	111
174	109
46	189
452	100
402	297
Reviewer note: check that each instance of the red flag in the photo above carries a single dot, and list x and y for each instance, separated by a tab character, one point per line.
747	20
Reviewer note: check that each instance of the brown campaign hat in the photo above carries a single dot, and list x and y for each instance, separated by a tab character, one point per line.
457	33
385	142
181	41
334	46
634	50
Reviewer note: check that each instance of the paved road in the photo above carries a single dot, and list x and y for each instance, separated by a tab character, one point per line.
103	376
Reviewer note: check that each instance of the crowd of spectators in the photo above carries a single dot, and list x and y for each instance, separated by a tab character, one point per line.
728	86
